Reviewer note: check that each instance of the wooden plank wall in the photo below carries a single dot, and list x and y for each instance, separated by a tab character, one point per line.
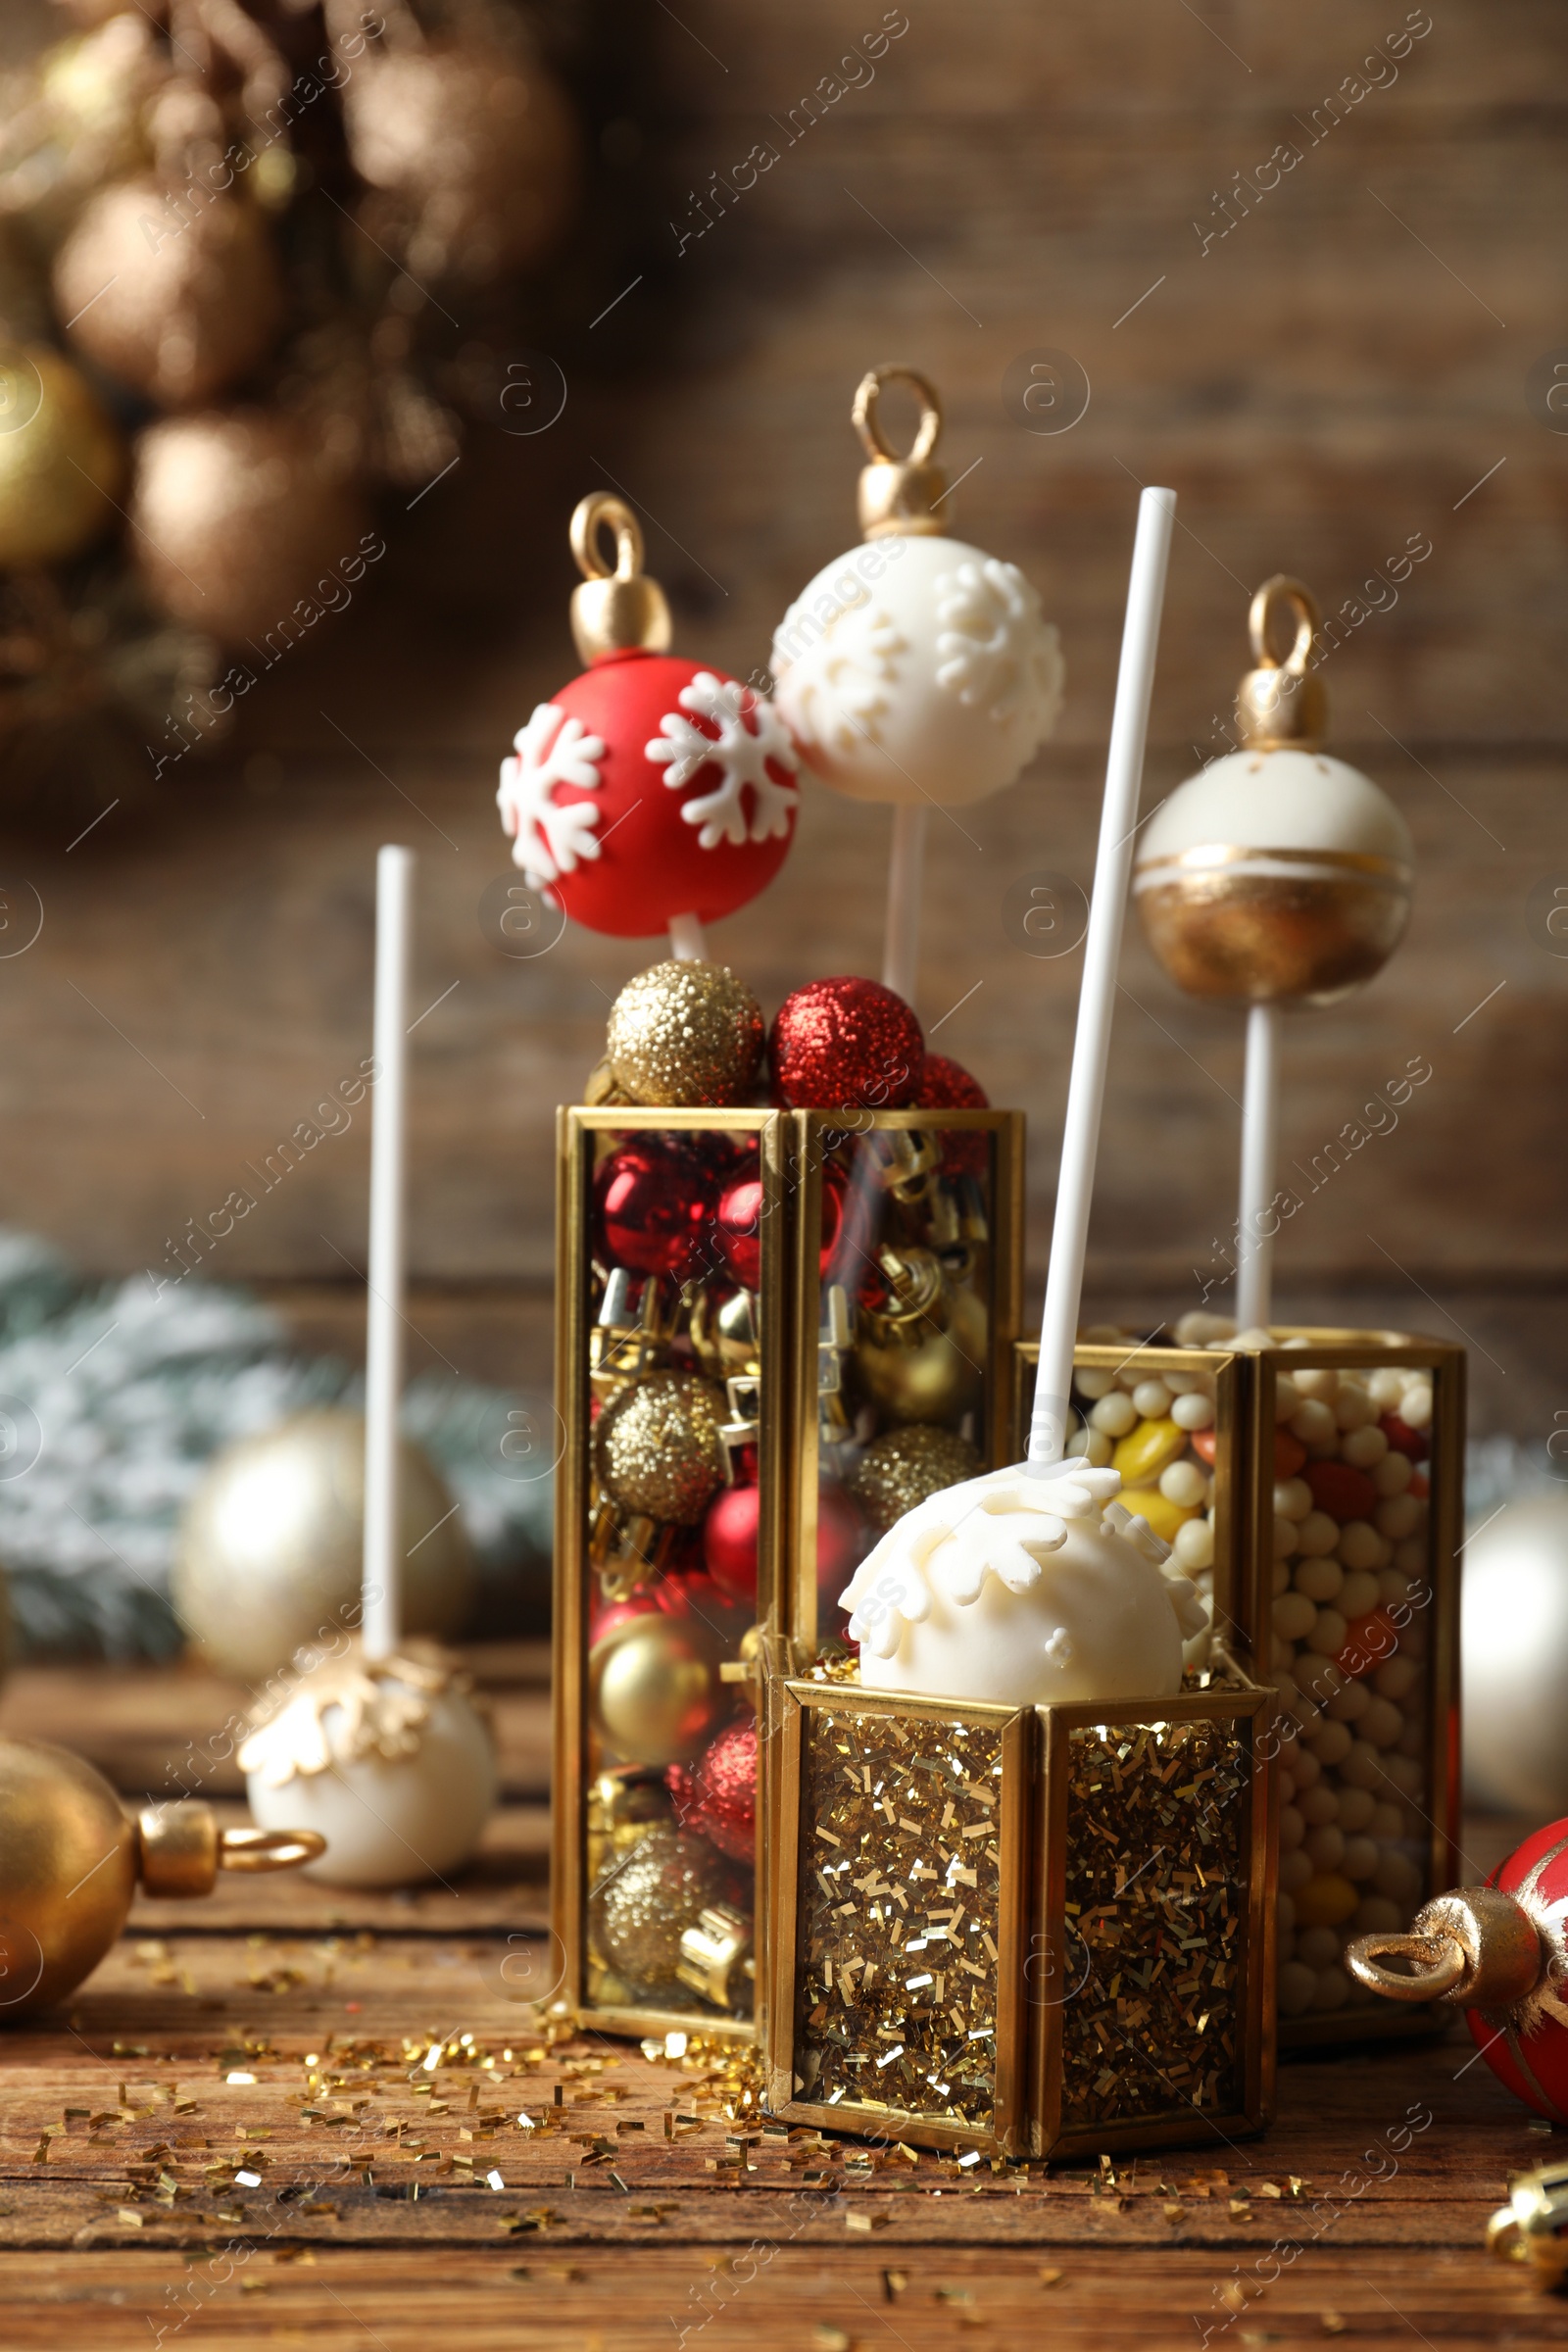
1345	369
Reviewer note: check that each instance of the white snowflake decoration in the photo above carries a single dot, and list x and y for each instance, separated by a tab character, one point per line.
845	700
740	754
993	649
551	838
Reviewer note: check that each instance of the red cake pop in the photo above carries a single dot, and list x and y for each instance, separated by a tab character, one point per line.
650	792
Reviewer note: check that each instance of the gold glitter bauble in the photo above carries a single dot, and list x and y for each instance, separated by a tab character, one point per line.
62	462
658	1450
654	1695
179	300
638	1919
271	1549
480	146
245	529
900	1469
685	1033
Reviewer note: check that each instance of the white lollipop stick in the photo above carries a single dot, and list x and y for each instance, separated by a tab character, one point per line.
688	943
901	951
382	1596
1086	1086
1260	1123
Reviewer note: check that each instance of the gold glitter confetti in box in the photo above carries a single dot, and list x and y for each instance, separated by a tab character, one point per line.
1022	1931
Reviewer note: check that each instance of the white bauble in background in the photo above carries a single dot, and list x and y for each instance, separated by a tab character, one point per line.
917	669
1513	1653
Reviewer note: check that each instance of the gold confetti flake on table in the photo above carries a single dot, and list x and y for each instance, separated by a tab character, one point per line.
1156	1889
900	1899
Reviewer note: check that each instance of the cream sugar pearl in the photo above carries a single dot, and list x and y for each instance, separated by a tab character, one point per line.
1027	1585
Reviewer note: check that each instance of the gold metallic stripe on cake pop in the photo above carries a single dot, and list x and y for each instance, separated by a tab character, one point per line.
1327	865
1224	931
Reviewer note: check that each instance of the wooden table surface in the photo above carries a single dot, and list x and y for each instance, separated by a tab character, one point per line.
261	2121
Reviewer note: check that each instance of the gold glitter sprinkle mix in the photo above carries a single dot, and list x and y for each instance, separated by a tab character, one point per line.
1157	1890
900	1900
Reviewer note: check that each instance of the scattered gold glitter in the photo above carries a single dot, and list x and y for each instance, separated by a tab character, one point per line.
1156	1892
900	1903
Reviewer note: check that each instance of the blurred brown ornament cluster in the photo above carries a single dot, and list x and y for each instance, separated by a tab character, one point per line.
232	237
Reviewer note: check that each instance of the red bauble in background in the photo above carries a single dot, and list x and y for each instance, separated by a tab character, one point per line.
947	1084
648	788
739	1226
845	1041
653	1202
717	1796
729	1542
1530	2052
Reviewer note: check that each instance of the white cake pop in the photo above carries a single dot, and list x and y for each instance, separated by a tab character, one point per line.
386	1757
916	669
1028	1585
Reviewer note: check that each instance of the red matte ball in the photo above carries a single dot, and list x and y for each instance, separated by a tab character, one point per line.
947	1086
729	1542
651	1205
1415	1442
717	1796
840	1042
643	849
1534	2063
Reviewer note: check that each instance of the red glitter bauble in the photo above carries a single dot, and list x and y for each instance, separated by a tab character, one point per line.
947	1086
624	841
652	1202
1531	2056
717	1796
841	1042
729	1542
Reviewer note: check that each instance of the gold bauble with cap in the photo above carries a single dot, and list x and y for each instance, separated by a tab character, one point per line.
73	1858
1278	873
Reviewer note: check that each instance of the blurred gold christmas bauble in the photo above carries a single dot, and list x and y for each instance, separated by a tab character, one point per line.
658	1447
240	515
482	146
685	1033
929	1368
71	1858
637	1920
179	299
904	1467
62	462
654	1695
270	1549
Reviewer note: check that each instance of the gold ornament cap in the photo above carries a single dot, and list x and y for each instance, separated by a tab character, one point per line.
899	494
1475	1948
180	1848
1279	706
620	609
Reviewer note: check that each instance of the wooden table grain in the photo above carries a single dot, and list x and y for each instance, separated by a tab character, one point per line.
259	2122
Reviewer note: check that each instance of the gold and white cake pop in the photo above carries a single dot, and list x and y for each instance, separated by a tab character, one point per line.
1025	1585
916	668
387	1758
1278	872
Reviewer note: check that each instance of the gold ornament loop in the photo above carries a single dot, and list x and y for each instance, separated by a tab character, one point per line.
867	420
899	494
599	508
1441	1964
1277	594
1279	706
615	612
269	1849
